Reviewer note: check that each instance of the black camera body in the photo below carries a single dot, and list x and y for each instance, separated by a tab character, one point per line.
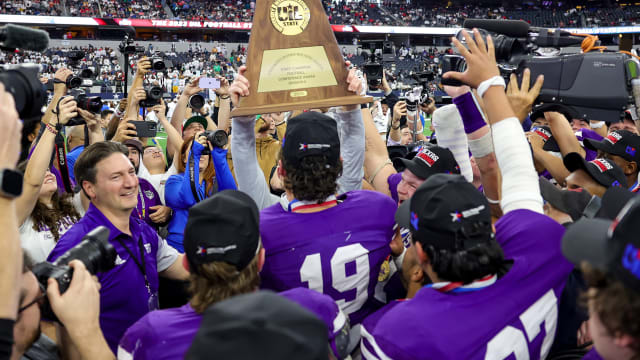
23	82
92	104
94	250
217	138
154	96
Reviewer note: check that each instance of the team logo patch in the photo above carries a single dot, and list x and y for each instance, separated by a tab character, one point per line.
119	260
631	260
602	165
149	194
305	147
147	248
613	138
543	133
202	251
458	216
630	150
615	184
428	157
414	220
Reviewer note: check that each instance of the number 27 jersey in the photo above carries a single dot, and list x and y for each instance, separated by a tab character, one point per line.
338	251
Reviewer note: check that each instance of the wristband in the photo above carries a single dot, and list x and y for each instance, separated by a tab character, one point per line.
51	129
494	81
472	117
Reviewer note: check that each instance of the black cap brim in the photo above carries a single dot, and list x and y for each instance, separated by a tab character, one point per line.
592	144
403	214
551	193
587	240
416	169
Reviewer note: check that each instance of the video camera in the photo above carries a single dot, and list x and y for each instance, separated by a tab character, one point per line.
94	250
595	85
126	47
379	53
28	94
154	96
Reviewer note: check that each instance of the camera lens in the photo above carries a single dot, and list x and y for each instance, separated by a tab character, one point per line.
158	65
22	82
97	255
155	93
196	101
86	73
91	104
74	82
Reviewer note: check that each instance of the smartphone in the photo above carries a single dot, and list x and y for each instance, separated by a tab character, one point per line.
145	129
209	83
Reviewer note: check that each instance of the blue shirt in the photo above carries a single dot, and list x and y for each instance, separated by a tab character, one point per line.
72	156
124	297
179	195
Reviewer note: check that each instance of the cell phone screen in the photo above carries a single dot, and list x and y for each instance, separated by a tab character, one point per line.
209	83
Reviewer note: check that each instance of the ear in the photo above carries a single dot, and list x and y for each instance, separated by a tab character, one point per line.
280	170
261	257
89	189
31	137
417	274
623	340
631	168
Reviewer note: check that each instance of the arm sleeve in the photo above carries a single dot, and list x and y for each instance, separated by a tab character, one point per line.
520	188
448	124
177	192
248	173
351	149
6	338
223	173
166	255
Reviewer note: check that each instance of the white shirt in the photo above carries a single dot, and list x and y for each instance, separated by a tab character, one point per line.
158	181
39	243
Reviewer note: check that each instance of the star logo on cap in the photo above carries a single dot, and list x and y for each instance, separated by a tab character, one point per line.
414	220
631	150
455	216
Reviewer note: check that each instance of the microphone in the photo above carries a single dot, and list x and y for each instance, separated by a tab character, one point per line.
22	37
512	28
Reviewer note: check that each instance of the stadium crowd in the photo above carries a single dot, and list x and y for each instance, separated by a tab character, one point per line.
376	231
390	12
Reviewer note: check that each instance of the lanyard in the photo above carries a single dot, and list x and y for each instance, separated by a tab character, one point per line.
458	287
140	264
141	213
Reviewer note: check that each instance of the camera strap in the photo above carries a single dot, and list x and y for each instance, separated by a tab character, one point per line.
192	179
61	158
140	264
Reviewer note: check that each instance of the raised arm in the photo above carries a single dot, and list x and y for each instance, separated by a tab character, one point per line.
174	140
180	110
563	133
377	166
38	164
519	178
243	150
224	112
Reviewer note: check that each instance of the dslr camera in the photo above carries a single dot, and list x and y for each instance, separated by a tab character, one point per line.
92	104
160	63
154	96
95	252
217	138
593	85
79	75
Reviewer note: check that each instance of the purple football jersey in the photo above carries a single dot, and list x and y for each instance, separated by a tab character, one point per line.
338	251
516	316
161	335
592	355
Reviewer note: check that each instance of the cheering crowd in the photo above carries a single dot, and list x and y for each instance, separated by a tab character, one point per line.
486	228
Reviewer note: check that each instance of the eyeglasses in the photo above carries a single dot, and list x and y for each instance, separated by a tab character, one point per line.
43	294
152	151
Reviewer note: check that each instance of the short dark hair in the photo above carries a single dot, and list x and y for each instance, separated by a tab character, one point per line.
314	179
617	305
106	113
467	265
85	167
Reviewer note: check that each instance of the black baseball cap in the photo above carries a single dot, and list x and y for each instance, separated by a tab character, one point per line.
428	161
311	133
622	143
571	202
539	110
604	172
612	246
196	118
448	212
613	200
550	143
224	227
260	325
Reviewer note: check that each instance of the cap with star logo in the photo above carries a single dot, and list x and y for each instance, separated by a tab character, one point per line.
447	212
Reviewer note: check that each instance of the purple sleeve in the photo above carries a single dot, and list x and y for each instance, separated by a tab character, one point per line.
137	338
590	134
66	242
393	182
592	355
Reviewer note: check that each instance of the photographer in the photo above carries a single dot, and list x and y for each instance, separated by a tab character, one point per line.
11	254
200	175
403	135
44	213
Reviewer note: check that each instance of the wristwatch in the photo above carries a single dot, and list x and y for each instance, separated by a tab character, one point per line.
10	183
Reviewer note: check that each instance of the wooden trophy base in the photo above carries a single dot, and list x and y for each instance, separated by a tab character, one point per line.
312	104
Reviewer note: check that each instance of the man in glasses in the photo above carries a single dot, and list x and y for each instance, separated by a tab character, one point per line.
78	309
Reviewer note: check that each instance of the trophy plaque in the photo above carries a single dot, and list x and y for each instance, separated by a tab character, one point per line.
293	61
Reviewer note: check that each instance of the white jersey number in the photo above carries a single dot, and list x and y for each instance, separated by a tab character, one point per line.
513	341
311	272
